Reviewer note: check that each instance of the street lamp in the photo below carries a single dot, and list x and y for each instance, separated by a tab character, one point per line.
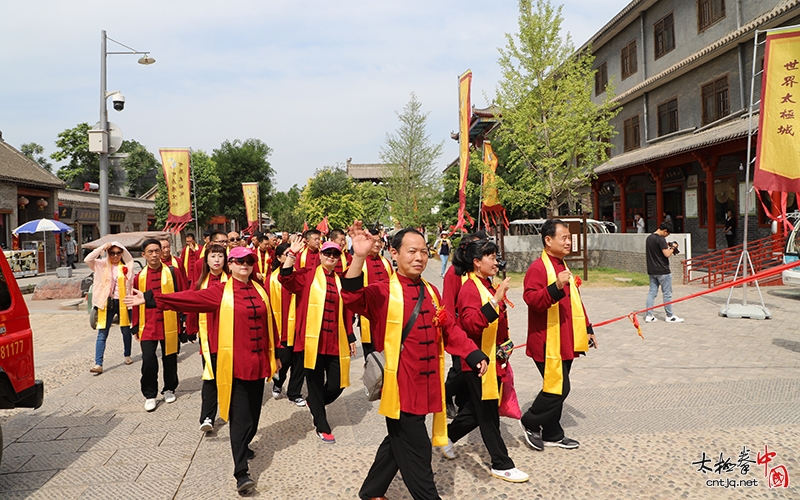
119	104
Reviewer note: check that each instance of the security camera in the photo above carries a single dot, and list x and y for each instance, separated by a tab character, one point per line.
119	101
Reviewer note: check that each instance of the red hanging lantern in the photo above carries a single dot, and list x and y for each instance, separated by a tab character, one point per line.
41	203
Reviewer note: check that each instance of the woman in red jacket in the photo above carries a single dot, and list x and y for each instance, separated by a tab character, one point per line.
482	315
246	337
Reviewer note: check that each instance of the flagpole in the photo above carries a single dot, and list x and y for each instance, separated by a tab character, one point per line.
194	195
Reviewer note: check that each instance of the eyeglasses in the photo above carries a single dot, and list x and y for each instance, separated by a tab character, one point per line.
115	254
243	261
234	239
332	254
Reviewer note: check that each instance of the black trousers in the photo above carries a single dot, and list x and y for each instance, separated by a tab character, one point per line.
149	381
293	360
545	412
481	413
243	416
323	389
367	347
208	393
454	386
406	448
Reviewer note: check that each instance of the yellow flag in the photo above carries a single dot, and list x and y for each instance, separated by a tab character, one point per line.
175	162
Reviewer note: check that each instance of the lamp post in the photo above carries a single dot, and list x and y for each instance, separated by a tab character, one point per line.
118	105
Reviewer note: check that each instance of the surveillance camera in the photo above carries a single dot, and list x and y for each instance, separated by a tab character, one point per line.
119	101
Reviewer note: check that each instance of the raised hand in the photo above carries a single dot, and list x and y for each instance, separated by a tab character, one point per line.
362	243
296	243
136	298
500	291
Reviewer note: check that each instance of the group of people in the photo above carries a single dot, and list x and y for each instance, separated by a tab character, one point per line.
284	308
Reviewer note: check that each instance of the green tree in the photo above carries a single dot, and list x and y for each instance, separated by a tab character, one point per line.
374	199
413	182
82	166
140	168
242	161
35	152
330	193
283	208
162	202
551	128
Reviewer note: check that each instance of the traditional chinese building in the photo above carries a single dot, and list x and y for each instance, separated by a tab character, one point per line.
681	71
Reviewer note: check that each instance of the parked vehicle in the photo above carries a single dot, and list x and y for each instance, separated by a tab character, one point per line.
18	385
792	254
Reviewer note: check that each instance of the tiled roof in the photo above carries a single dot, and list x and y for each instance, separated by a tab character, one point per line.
17	168
733	129
363	171
75	196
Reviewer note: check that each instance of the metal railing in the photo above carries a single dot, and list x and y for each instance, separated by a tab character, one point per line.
717	267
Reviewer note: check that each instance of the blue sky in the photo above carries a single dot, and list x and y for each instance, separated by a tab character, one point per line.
319	82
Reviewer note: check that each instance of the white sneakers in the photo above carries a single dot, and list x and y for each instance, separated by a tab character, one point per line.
207	425
449	450
150	404
169	397
674	319
650	319
511	475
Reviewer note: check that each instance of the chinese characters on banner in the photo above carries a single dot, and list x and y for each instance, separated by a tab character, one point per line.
250	190
175	162
776	475
464	119
777	166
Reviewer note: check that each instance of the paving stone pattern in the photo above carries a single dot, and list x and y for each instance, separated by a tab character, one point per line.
643	410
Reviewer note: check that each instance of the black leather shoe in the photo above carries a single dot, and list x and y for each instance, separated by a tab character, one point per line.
250	454
244	483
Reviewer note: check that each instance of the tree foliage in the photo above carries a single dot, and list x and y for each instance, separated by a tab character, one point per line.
35	152
332	193
140	168
374	199
413	182
82	166
284	210
551	129
242	161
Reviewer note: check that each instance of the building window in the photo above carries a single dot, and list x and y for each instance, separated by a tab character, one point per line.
668	117
628	60
631	127
601	79
716	104
664	31
709	12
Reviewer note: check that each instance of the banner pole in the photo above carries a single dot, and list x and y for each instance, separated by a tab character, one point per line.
194	196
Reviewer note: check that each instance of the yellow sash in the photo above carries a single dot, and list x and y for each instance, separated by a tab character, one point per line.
276	301
553	375
170	317
390	397
225	347
186	257
316	308
344	261
366	332
124	313
488	345
303	257
261	261
202	331
202	252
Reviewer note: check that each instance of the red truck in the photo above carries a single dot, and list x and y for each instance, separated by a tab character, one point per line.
18	386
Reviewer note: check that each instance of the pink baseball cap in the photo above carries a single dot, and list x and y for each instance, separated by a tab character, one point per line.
240	252
329	245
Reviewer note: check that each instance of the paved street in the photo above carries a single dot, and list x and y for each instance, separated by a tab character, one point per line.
643	410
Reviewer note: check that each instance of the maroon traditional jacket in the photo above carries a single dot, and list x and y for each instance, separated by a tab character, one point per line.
192	318
450	288
299	283
193	257
154	319
250	327
474	315
312	259
539	297
418	374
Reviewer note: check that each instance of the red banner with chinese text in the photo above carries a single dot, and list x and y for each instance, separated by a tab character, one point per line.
777	167
250	190
176	165
464	119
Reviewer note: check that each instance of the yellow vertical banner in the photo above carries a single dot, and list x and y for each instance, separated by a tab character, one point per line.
250	190
464	120
490	198
176	165
777	166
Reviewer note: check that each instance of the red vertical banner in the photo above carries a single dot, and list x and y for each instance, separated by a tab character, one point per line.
250	191
176	165
464	120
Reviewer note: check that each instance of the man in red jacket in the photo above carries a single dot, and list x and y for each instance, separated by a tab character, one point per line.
553	299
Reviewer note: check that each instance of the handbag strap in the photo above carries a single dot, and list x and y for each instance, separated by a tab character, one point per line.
414	314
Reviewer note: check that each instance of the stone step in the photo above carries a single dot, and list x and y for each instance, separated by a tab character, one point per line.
71	304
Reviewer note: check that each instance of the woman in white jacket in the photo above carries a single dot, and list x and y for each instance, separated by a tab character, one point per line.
113	277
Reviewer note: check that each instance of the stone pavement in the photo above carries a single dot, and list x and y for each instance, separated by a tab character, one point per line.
643	410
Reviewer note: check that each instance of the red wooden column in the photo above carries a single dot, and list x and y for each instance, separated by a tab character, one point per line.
623	209
658	175
710	167
596	200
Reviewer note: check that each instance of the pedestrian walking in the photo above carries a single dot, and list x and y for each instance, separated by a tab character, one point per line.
71	249
113	277
558	332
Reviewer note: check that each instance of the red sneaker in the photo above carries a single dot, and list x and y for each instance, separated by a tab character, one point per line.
326	437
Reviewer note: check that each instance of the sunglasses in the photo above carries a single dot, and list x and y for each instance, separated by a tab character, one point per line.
242	261
115	254
332	254
234	239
